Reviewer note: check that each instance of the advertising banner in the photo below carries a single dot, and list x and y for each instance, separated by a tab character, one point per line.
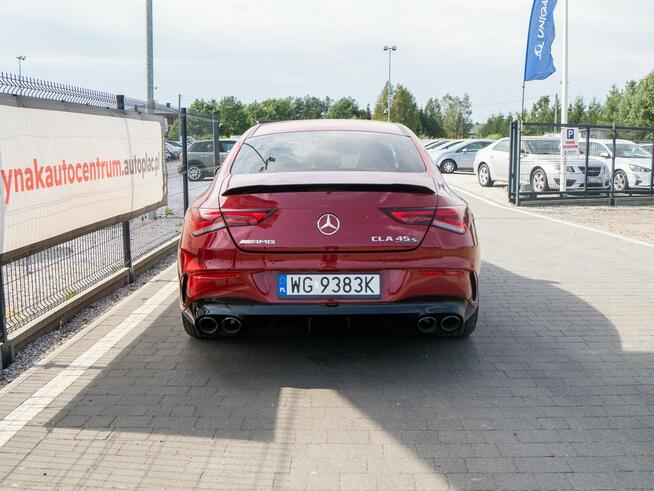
64	173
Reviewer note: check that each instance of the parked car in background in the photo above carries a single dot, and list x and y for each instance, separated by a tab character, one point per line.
173	152
460	156
540	166
437	149
648	147
434	143
201	161
633	164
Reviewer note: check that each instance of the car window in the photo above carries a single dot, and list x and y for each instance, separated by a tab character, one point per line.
630	151
473	147
306	151
502	146
596	149
449	145
195	147
543	147
226	146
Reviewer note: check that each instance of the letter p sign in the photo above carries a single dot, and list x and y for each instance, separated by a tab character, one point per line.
570	134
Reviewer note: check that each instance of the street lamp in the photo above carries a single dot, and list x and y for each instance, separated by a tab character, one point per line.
20	59
390	88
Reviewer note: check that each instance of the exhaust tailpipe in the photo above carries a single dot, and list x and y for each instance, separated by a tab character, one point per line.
450	323
207	325
427	324
230	326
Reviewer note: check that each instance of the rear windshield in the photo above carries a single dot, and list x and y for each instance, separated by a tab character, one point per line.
543	147
328	151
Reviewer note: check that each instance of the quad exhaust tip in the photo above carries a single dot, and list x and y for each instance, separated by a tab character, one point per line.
427	324
230	326
207	325
450	323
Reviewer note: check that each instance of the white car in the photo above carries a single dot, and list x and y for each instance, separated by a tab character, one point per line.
540	166
459	156
633	164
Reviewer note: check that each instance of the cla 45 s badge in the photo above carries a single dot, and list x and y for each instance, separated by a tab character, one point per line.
399	239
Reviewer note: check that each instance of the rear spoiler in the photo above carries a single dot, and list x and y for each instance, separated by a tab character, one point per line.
330	187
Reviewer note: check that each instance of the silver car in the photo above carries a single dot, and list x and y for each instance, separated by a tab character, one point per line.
540	166
459	156
200	159
633	164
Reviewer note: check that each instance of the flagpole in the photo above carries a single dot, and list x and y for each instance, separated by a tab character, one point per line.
564	90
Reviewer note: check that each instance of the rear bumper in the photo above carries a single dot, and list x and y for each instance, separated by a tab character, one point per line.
436	307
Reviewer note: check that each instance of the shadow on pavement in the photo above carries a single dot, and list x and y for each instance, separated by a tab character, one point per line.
543	377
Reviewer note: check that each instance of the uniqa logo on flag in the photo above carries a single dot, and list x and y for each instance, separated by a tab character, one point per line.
539	63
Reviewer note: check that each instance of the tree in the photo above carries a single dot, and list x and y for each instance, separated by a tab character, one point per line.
404	108
344	108
457	115
431	119
541	111
577	111
497	125
611	107
234	119
643	103
381	106
277	109
310	107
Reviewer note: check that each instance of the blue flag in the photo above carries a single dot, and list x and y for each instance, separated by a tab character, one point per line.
539	63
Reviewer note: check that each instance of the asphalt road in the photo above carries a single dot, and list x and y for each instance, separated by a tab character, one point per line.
555	390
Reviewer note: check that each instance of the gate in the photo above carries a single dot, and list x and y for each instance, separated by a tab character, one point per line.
599	161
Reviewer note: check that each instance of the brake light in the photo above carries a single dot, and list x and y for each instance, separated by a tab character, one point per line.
452	218
411	216
205	220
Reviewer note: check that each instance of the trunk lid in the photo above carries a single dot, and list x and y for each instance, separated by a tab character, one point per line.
329	211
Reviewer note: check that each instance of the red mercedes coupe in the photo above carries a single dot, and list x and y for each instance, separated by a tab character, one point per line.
323	219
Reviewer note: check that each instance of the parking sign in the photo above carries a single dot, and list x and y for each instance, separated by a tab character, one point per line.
570	142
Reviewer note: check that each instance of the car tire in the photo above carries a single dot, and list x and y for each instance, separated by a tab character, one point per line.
538	180
194	172
448	166
484	176
620	181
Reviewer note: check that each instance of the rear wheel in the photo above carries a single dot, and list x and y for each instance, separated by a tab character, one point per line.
539	180
620	181
194	172
448	166
484	176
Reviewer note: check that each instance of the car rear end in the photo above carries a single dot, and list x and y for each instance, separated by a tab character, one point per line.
349	220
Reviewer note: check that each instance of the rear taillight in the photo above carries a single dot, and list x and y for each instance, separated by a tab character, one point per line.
452	218
411	216
205	220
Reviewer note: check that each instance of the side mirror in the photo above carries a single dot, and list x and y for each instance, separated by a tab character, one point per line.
606	155
462	150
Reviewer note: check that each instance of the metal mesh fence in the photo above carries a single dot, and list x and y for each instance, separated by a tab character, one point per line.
611	162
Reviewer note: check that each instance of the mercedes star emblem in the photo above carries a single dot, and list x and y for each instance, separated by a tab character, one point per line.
328	224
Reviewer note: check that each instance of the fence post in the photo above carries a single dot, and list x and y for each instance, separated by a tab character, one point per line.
215	129
518	157
612	188
5	354
509	184
586	159
127	235
183	131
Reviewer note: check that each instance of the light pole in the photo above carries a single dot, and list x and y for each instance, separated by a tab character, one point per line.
20	59
149	57
390	49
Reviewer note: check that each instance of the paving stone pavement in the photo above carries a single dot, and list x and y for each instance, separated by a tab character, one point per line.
555	390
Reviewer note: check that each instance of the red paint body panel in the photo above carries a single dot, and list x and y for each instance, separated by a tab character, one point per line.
300	247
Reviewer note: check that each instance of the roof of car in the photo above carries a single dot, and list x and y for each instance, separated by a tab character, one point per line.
328	125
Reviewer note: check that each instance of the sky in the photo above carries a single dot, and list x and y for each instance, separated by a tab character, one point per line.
255	49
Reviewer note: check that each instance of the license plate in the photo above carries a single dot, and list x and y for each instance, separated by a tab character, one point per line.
594	179
329	285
